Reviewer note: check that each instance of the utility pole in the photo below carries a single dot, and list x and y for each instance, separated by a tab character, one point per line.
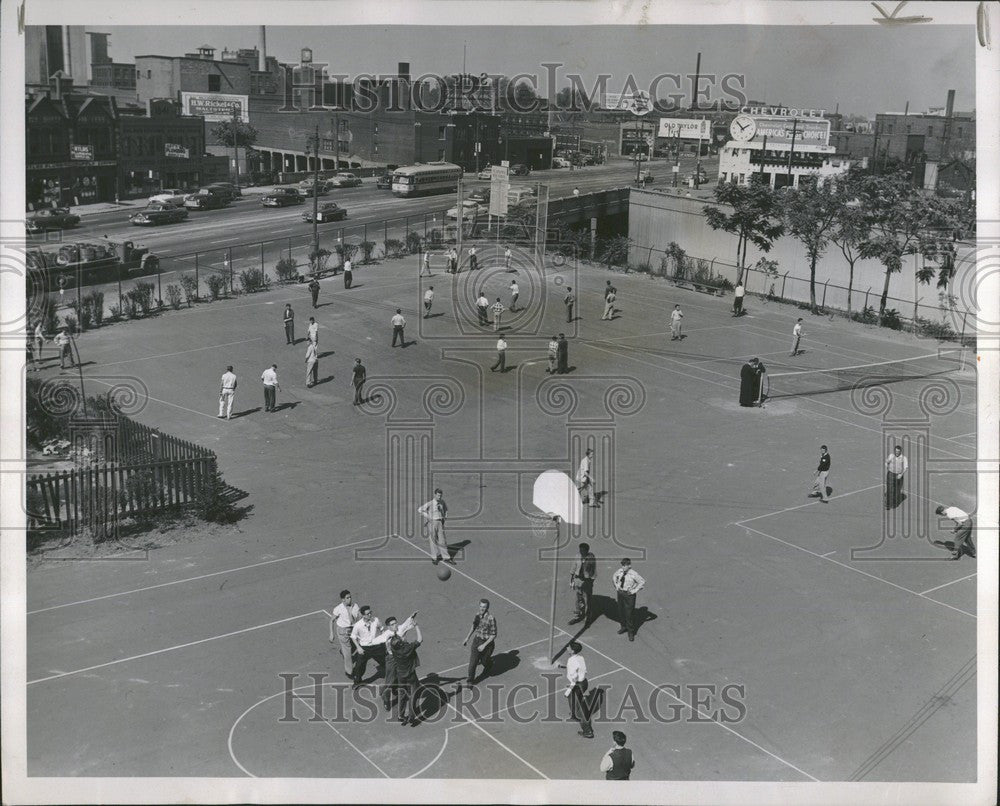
315	189
791	150
697	163
236	148
677	157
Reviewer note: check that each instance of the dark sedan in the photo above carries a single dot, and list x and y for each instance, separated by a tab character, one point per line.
154	214
384	182
328	211
51	218
519	170
283	197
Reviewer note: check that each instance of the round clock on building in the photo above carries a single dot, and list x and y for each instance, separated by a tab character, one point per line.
743	128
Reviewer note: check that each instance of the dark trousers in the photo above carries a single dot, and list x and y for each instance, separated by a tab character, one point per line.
738	305
269	398
483	317
473	262
513	302
66	355
476	657
290	332
315	297
358	400
584	590
578	706
348	279
397	333
893	490
963	539
501	361
361	661
407	691
626	610
569	312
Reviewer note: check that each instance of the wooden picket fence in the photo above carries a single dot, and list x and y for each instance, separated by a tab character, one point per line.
151	472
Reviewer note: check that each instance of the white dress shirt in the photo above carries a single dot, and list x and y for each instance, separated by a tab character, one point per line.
584	471
956	514
482	302
501	345
428	295
269	377
398	320
346	616
576	669
366	633
628	581
228	382
897	464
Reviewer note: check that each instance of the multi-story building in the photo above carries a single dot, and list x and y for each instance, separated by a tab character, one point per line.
109	77
51	49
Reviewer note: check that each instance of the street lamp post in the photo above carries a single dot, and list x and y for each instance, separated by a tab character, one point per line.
416	141
314	142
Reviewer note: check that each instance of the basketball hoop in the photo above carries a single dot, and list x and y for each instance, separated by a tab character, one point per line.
541	522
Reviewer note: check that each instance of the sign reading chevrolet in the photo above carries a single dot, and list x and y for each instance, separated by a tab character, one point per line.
214	106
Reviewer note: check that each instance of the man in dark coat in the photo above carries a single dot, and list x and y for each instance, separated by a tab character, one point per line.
562	355
750	380
407	683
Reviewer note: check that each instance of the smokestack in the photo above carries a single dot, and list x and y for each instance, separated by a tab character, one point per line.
949	109
694	88
262	51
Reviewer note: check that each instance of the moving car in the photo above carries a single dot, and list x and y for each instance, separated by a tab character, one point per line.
234	192
486	173
560	162
328	211
158	213
174	196
383	182
481	197
51	218
207	199
283	197
519	170
470	211
308	190
345	180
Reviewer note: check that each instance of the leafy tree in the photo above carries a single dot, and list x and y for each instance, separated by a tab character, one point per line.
615	250
851	228
246	135
756	218
811	213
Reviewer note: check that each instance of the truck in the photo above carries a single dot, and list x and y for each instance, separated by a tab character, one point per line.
89	263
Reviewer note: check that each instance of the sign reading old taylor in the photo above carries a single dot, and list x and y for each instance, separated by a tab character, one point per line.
214	106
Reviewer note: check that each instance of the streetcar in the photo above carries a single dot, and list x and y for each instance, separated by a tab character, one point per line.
421	180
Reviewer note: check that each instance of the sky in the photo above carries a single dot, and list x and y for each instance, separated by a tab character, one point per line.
865	69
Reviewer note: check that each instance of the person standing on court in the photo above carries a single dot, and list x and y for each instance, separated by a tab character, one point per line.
312	332
342	619
507	259
553	355
576	191
473	259
428	300
609	304
675	323
406	661
453	261
962	531
365	636
498	310
39	341
609	289
514	292
581	578
65	346
617	764
738	293
312	366
227	393
314	291
348	273
576	675
569	300
501	362
435	511
796	337
269	377
822	471
895	466
484	636
289	319
390	684
358	376
425	264
750	381
562	355
483	308
398	323
585	479
627	584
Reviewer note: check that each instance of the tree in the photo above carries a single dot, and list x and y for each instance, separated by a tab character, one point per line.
851	228
810	213
756	218
246	135
615	250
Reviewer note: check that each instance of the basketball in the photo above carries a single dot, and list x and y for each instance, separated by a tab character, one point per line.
444	572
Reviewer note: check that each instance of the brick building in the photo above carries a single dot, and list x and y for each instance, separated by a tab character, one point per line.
166	76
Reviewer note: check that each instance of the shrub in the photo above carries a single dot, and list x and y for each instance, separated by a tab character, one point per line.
213	504
96	306
71	324
642	268
50	319
251	281
174	296
190	285
286	270
413	242
318	260
678	257
868	316
702	272
346	251
941	331
114	313
217	284
83	312
392	247
891	320
367	247
142	296
129	307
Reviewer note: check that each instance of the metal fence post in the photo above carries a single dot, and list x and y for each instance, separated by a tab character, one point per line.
289	247
119	294
229	260
364	237
159	287
425	226
783	281
865	306
262	256
197	281
406	230
823	303
385	232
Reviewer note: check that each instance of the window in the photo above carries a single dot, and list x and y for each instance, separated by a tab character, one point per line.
214	82
930	131
149	74
890	129
441	130
440	155
138	74
376	148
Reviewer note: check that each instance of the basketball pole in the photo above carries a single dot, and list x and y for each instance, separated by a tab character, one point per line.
552	610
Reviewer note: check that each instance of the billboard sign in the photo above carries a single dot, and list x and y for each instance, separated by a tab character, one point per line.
638	103
778	130
499	187
214	106
175	150
685	128
81	152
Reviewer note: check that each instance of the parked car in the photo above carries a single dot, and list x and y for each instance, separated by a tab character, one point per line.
328	211
519	169
308	191
51	218
283	197
470	212
481	197
518	193
486	173
158	213
207	199
345	180
645	177
174	196
560	162
234	192
383	182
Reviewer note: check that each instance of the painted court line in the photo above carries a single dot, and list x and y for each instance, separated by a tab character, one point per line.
650	683
182	352
802	506
855	570
946	584
157	400
172	648
204	576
